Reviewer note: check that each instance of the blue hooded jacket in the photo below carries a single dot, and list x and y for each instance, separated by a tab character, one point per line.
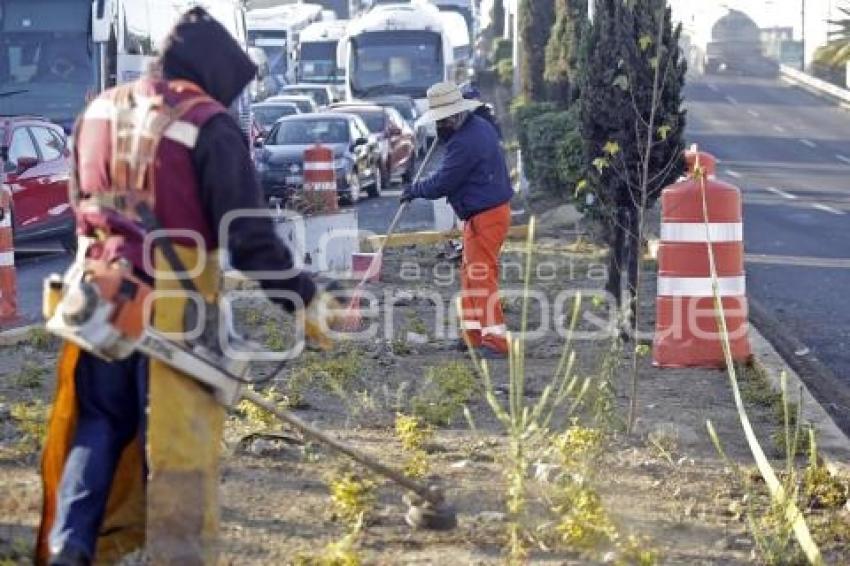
473	174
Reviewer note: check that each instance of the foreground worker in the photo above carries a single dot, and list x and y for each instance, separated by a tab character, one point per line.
133	446
473	176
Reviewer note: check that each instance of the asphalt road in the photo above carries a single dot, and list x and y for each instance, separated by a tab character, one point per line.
789	152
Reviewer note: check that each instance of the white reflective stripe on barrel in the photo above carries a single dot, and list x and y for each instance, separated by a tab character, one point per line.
695	232
318	165
701	286
6	222
7	259
320	186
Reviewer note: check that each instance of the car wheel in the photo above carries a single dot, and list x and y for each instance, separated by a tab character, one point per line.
386	177
354	189
376	187
407	178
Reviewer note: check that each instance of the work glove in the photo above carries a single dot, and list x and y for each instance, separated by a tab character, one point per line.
406	195
323	314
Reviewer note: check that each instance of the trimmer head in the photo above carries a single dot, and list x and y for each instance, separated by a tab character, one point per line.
435	515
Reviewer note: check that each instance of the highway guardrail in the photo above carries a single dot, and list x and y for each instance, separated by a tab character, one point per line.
815	85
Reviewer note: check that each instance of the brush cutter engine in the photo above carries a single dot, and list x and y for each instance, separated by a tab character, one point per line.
104	309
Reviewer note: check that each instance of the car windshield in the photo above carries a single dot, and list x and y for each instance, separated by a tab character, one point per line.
403	108
273	43
318	62
268	115
45	58
395	62
303	106
319	95
303	132
374	120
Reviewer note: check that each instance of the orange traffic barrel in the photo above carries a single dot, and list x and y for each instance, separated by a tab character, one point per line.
8	277
320	178
695	158
687	333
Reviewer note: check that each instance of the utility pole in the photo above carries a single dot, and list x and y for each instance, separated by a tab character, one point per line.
591	5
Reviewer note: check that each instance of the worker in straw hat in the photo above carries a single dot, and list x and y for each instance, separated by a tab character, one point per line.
473	176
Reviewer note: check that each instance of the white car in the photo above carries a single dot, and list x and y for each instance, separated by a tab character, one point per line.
323	95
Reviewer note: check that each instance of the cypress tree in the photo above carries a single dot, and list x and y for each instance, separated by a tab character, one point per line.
535	24
563	51
621	57
497	21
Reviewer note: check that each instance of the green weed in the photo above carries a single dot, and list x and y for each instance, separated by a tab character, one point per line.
40	339
31	421
448	387
30	376
352	498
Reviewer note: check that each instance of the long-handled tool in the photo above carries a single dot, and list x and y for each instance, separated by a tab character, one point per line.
352	319
93	312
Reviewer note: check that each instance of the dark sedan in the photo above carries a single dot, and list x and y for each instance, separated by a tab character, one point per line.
280	162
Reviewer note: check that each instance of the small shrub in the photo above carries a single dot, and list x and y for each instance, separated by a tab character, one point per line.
413	433
31	421
637	551
823	489
30	376
400	347
275	340
583	523
449	387
40	339
337	553
334	373
260	417
578	446
353	498
505	72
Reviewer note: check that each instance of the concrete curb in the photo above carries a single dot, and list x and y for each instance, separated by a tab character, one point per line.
816	86
404	239
14	336
833	444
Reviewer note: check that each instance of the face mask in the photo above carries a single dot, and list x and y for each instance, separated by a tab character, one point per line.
445	129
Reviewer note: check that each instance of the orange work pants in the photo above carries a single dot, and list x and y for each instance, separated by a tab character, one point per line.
482	319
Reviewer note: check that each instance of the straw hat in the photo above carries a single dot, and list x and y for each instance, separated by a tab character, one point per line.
444	100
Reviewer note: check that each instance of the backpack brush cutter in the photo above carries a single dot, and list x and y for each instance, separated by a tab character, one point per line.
104	308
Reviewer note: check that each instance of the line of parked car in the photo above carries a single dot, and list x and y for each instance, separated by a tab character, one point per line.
375	142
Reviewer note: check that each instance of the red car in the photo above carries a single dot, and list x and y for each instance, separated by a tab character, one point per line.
394	136
34	168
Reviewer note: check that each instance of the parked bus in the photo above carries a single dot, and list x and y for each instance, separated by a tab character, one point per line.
56	54
275	30
396	49
454	27
317	47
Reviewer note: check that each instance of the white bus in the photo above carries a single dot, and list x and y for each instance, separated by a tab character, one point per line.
55	54
317	47
275	30
454	27
396	49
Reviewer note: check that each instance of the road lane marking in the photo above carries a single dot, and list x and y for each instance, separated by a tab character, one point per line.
713	87
808	143
827	208
779	129
781	193
753	113
843	158
798	261
733	174
731	100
